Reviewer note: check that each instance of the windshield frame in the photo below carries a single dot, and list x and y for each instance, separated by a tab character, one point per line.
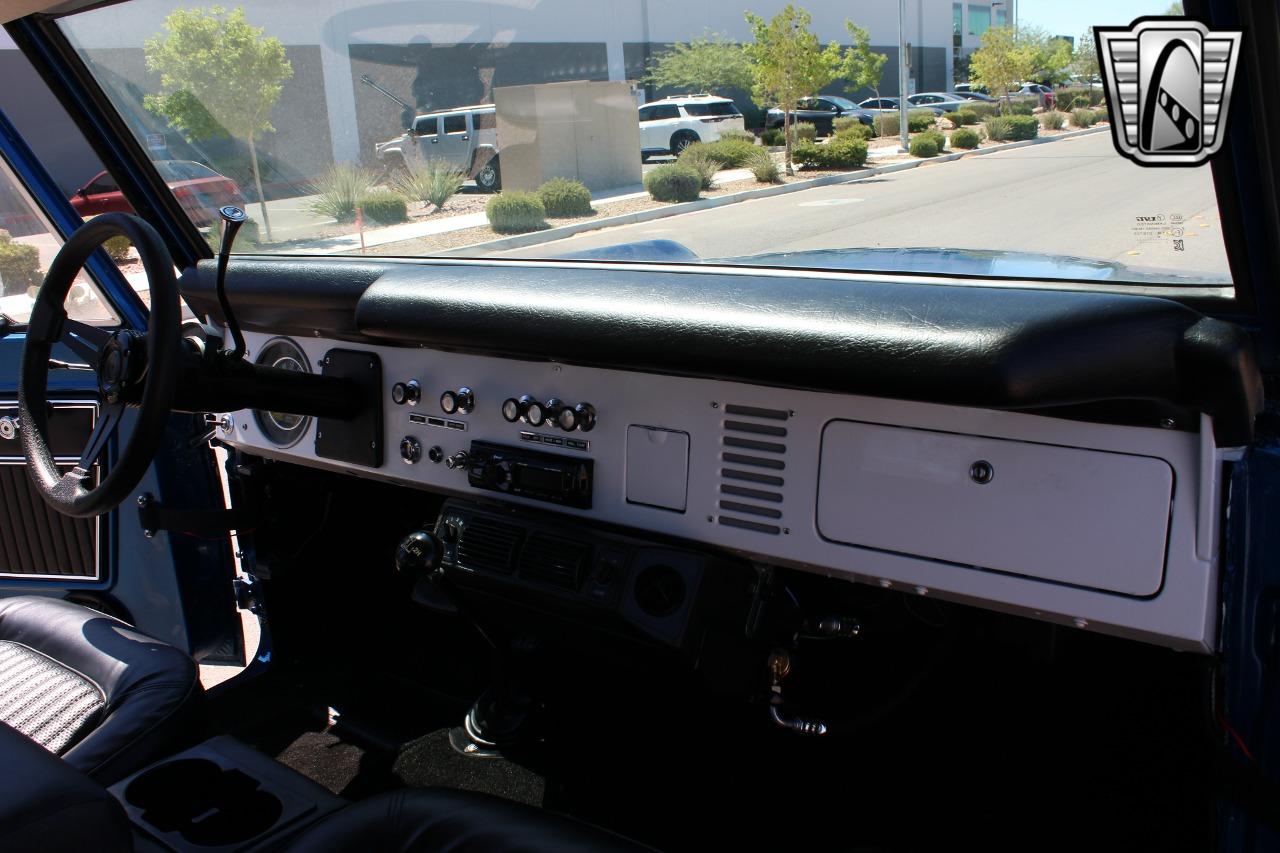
57	61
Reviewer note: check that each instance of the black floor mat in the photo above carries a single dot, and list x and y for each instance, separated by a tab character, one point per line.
432	761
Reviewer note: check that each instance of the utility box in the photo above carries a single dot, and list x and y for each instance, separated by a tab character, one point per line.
585	131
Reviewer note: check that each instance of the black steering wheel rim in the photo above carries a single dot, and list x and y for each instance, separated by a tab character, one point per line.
68	492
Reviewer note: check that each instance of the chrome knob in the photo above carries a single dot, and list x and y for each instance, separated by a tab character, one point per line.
409	393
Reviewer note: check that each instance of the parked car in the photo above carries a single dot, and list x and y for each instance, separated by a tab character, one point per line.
465	137
890	105
971	89
670	125
974	96
820	111
199	189
945	101
1042	94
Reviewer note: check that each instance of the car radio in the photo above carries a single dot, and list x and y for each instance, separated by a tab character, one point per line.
527	473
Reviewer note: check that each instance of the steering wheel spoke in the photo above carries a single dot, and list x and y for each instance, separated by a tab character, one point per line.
84	340
108	421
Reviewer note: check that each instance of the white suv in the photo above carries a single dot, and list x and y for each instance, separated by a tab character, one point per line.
671	125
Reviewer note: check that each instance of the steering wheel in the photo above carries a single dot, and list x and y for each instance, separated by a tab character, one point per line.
133	370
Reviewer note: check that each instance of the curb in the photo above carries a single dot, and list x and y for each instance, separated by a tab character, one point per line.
550	235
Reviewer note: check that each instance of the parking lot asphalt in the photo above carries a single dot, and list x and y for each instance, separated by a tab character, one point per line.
1073	197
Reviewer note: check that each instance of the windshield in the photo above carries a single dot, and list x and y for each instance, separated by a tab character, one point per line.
299	112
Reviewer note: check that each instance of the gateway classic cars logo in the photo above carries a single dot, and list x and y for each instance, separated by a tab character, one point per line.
1169	80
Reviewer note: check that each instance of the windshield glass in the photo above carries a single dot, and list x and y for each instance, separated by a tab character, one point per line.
307	115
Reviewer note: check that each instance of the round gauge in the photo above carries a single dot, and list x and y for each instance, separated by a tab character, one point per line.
282	429
534	414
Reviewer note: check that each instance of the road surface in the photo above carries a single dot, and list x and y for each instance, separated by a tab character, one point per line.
1070	197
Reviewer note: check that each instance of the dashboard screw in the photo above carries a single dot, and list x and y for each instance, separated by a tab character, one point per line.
1080	623
885	583
150	534
922	590
715	405
982	472
710	518
143	500
1167	423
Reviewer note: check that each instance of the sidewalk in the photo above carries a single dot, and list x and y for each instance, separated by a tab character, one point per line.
348	243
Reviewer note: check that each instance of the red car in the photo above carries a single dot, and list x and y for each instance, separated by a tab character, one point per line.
199	189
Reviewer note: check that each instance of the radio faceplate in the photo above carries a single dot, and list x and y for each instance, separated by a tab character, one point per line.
530	474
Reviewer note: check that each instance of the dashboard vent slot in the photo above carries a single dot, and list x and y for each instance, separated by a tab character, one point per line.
488	545
555	560
752	462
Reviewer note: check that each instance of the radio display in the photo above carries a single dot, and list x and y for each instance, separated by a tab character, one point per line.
537	479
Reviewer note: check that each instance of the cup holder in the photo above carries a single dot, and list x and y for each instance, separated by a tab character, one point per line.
206	804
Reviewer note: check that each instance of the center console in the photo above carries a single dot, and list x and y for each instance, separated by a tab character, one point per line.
220	796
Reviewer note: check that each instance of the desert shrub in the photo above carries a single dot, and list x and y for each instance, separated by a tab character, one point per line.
938	137
918	120
764	167
962	118
804	131
340	189
924	145
1053	120
703	161
435	182
1084	118
1012	128
844	123
1079	102
982	109
384	206
857	131
516	212
734	134
886	124
965	138
730	153
841	152
19	265
773	137
1023	107
673	182
564	197
118	248
1088	95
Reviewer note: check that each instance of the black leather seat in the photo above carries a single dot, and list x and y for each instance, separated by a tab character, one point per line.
89	688
48	806
424	820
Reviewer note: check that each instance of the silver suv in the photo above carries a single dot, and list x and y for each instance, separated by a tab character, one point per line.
465	137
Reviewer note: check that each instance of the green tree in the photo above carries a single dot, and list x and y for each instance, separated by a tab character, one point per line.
1084	61
788	63
705	64
1004	60
1174	9
862	67
1051	63
219	75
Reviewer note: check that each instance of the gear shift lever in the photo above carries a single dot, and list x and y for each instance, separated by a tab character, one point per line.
232	218
497	718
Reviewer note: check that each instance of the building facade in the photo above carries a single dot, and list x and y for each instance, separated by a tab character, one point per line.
434	54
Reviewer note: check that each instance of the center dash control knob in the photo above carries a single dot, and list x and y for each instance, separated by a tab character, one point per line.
567	419
458	460
410	450
460	401
406	392
534	412
511	410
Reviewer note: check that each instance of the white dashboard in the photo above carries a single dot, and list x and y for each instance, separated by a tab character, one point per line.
1100	527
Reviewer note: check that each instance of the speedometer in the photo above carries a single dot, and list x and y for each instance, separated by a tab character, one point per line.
282	429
